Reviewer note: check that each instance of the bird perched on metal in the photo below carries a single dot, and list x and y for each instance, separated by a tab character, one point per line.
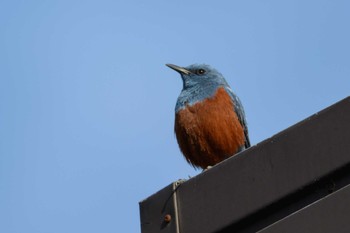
210	123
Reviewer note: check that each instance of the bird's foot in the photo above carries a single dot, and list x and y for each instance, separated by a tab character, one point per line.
206	169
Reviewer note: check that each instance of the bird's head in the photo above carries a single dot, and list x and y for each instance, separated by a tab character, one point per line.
199	75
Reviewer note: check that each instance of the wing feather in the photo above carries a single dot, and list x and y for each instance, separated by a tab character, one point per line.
240	113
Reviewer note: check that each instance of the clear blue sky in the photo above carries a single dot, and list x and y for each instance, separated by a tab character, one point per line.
87	105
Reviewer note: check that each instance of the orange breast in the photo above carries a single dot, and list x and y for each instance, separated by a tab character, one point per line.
209	131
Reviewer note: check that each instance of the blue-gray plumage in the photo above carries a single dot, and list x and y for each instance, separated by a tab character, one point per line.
210	122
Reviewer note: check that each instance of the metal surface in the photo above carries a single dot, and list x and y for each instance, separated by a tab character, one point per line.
158	212
265	183
292	202
328	215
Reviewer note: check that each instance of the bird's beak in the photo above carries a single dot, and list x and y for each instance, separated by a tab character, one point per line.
179	69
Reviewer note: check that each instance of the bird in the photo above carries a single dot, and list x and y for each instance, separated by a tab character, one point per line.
210	122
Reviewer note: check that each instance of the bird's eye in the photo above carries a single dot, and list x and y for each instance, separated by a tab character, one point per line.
200	71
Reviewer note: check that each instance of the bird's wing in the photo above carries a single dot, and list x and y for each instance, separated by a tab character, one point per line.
240	113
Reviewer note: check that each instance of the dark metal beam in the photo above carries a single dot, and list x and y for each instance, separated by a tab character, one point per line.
159	212
244	192
330	214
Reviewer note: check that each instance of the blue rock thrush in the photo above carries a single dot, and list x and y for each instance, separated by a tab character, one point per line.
210	123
